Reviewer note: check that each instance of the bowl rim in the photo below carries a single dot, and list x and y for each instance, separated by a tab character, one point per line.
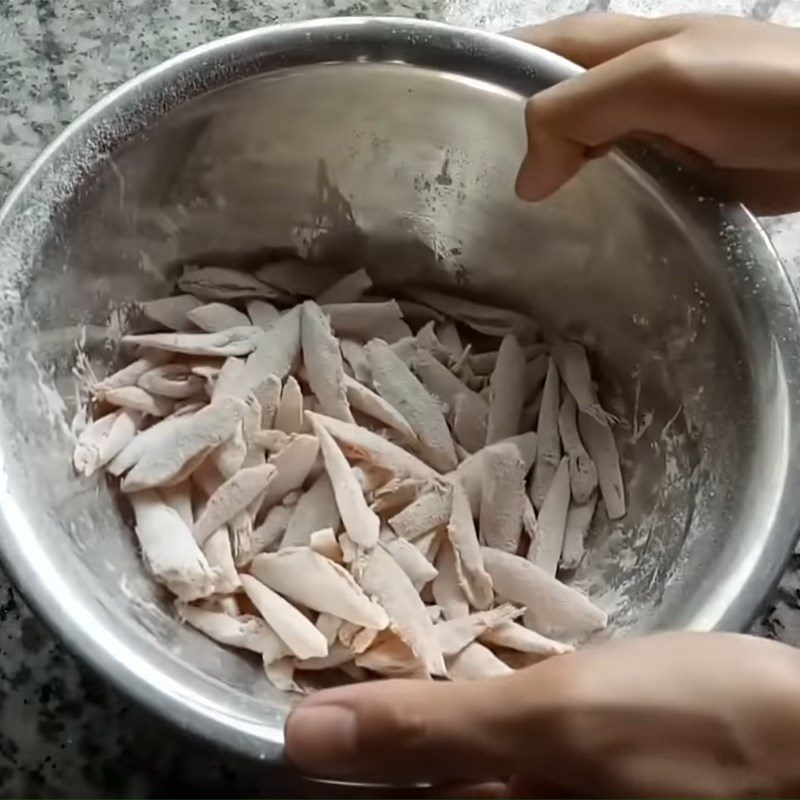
130	674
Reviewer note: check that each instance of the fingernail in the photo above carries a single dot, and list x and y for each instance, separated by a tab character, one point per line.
321	738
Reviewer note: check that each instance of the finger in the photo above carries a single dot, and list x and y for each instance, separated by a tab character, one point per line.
591	39
763	191
568	123
410	731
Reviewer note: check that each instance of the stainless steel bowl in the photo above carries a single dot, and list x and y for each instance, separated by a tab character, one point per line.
394	144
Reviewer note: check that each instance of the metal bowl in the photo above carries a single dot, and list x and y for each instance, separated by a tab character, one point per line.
392	144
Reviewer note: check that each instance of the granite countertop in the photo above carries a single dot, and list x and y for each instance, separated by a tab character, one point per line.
63	731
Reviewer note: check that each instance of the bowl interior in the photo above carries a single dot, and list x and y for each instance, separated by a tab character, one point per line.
409	171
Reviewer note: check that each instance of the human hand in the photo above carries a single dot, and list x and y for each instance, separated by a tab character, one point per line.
725	89
675	715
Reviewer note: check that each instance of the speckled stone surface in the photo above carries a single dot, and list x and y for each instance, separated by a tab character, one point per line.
63	731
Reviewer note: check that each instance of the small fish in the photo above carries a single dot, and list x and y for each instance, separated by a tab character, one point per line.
582	470
276	350
221	283
158	455
364	445
246	632
573	365
545	550
294	629
599	440
502	497
231	497
367	402
102	439
440	381
381	577
470	572
456	634
232	342
430	510
316	510
471	471
215	317
486	319
514	636
175	380
446	587
395	382
130	374
134	398
470	417
360	521
169	549
171	312
507	391
217	550
364	321
553	608
323	362
548	454
313	581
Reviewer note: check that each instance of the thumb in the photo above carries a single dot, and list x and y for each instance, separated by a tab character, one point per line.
593	38
623	92
572	122
410	731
